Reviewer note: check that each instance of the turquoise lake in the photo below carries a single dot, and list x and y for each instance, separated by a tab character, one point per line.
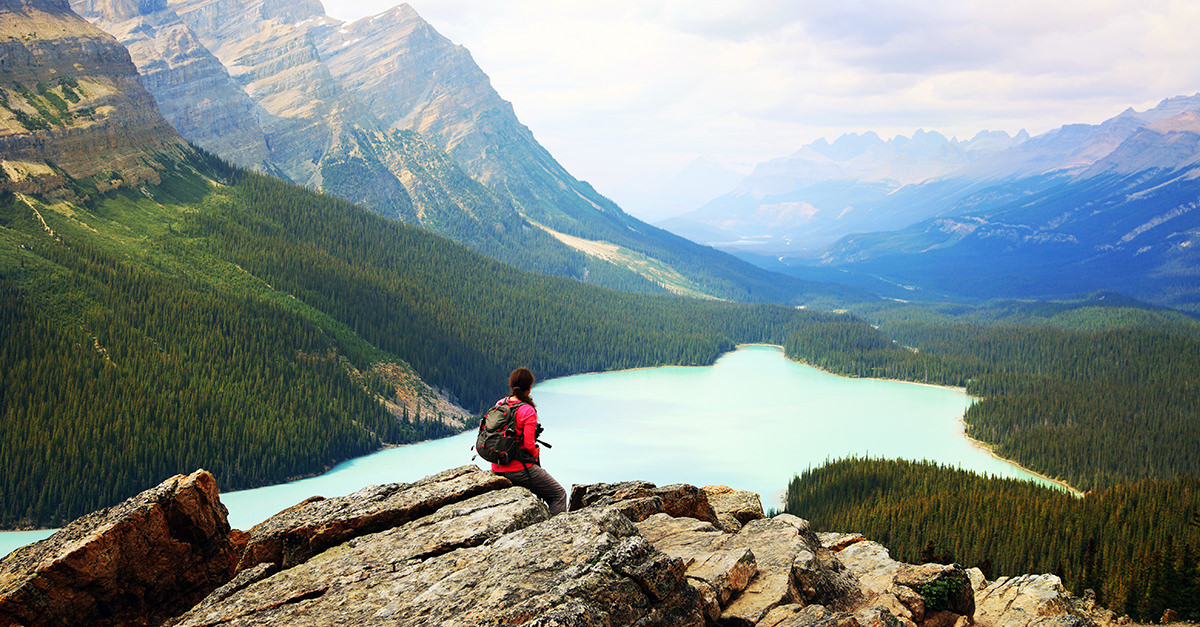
751	421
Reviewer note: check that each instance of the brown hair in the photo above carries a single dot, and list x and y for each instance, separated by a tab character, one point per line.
520	382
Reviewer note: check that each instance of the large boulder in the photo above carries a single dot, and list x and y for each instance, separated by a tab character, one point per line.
136	563
1027	601
718	574
793	568
930	595
493	559
302	531
742	576
639	500
734	508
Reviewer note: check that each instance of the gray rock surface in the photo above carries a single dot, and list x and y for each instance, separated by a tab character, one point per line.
639	500
718	574
492	559
297	533
795	615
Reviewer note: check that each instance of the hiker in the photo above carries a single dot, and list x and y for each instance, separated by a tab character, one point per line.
529	474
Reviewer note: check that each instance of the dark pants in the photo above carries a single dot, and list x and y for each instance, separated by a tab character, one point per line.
542	484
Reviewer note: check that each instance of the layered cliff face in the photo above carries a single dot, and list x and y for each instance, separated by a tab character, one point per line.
72	104
251	81
192	88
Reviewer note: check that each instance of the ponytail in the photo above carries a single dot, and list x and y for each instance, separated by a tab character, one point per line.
520	382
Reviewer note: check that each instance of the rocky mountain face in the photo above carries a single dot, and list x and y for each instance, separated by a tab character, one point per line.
387	112
72	105
465	547
251	81
191	87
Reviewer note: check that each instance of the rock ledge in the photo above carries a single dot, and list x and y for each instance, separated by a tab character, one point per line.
466	547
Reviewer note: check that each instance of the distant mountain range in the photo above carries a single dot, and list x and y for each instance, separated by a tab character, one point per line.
388	113
1080	208
823	191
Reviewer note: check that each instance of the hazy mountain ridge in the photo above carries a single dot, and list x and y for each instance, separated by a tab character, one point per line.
826	190
1080	208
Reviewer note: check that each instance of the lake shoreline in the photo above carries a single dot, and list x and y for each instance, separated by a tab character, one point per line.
985	446
992	451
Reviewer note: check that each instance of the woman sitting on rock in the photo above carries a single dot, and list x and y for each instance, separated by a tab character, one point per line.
529	475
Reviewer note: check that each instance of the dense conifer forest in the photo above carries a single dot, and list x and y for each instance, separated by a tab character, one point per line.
1136	545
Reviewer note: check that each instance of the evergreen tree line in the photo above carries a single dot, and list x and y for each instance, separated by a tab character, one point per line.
1094	409
1136	545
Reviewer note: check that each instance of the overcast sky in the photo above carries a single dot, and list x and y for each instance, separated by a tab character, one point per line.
625	93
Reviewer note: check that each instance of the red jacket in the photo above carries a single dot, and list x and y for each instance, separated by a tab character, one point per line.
527	428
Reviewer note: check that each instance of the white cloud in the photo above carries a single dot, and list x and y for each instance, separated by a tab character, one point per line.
622	90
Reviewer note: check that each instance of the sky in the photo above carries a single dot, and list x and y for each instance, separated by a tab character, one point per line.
627	93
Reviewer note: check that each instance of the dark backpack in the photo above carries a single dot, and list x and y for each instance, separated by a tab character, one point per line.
498	440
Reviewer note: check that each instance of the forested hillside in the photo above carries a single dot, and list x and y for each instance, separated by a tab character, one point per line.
1136	545
255	329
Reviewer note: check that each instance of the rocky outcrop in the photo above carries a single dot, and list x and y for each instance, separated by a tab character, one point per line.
929	595
1036	600
300	532
639	500
741	577
145	560
467	564
72	102
465	547
734	508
